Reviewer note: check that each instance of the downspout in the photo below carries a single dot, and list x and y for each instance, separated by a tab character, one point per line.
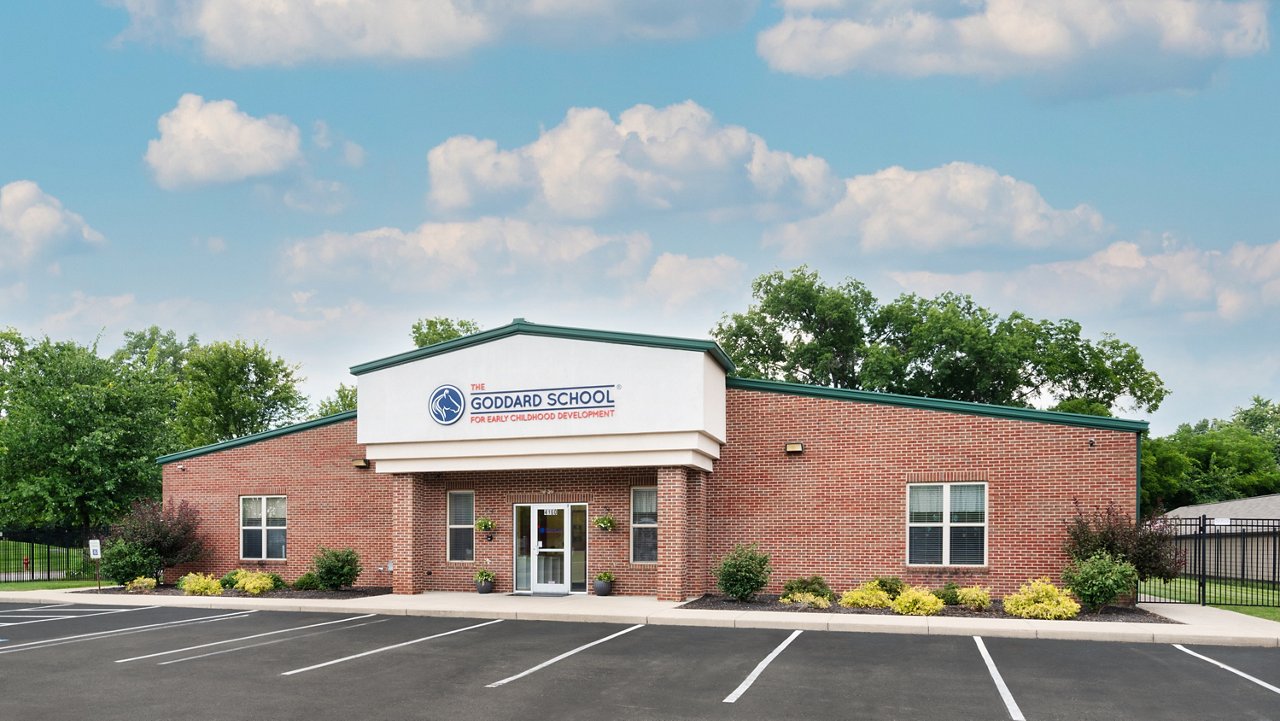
1138	505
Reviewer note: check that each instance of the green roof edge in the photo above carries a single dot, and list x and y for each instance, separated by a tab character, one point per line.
940	404
255	437
522	327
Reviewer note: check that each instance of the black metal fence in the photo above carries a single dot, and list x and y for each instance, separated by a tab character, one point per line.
1225	561
43	555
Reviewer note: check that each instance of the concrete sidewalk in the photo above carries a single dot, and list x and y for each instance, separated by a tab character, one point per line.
1196	624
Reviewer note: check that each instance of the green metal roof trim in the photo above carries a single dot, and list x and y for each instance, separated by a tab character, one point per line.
255	437
522	327
940	404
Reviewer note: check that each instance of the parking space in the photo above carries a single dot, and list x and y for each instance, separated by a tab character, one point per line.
140	662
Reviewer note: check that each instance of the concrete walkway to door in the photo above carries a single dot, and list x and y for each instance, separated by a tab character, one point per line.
1195	624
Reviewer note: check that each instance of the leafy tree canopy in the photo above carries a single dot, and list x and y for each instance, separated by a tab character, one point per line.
1207	462
342	400
803	330
155	349
429	331
80	435
232	389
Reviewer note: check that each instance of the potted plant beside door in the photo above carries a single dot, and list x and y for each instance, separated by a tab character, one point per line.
484	579
603	583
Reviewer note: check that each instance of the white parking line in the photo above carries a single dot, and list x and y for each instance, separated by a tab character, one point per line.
387	648
88	615
242	638
1225	667
1015	713
36	645
273	641
759	669
39	608
563	656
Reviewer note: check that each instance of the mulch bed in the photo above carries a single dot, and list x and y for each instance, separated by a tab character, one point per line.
359	592
712	602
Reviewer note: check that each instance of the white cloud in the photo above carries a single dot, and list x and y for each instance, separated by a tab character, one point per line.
488	256
1197	284
287	32
672	158
675	280
214	142
958	205
311	195
33	223
352	154
999	38
89	311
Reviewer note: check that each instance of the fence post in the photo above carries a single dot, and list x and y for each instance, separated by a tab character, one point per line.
1202	543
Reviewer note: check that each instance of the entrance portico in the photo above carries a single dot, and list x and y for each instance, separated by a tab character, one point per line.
543	430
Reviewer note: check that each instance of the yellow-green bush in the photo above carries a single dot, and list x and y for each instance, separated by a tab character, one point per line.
804	599
141	584
200	584
917	602
974	597
254	583
1040	599
868	595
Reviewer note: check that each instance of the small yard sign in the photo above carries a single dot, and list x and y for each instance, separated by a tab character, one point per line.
95	548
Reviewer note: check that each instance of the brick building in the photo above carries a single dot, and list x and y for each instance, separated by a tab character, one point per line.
546	431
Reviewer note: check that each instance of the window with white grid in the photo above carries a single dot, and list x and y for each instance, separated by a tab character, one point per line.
947	524
462	526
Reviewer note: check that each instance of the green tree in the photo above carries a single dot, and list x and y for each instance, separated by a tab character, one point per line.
800	329
342	400
80	436
429	331
1262	419
232	389
155	349
1166	471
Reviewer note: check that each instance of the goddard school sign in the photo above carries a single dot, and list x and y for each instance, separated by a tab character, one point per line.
448	404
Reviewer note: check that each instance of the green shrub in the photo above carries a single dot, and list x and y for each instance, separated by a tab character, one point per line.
606	576
229	580
949	593
816	585
141	584
307	582
254	583
976	598
916	602
123	561
1100	579
868	595
891	585
1040	599
170	531
804	599
744	572
1151	546
336	568
200	584
484	575
277	582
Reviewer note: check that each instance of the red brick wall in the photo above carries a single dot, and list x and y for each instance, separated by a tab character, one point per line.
330	503
839	508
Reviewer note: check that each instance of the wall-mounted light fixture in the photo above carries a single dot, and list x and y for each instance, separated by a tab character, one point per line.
359	462
1093	442
181	467
795	447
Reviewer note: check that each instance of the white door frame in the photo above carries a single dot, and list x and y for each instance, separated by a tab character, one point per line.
565	512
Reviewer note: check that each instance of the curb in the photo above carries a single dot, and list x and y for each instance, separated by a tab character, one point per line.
1117	632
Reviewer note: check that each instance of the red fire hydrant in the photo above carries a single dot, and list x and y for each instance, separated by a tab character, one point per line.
26	562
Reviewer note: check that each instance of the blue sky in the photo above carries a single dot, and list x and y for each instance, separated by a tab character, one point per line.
316	175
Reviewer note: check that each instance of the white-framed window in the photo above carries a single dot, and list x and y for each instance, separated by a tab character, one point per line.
644	525
947	524
263	527
462	525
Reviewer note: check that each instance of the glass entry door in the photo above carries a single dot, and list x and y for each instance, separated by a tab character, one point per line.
550	545
551	548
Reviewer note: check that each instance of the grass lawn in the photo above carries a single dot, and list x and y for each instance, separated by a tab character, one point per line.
1271	613
47	585
12	552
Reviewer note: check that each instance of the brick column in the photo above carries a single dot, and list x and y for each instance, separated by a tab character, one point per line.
408	528
695	575
673	515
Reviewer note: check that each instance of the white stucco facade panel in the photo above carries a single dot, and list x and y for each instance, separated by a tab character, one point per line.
523	386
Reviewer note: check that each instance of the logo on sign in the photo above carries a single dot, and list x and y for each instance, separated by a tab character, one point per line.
447	405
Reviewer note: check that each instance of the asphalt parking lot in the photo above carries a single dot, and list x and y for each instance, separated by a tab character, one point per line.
68	661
